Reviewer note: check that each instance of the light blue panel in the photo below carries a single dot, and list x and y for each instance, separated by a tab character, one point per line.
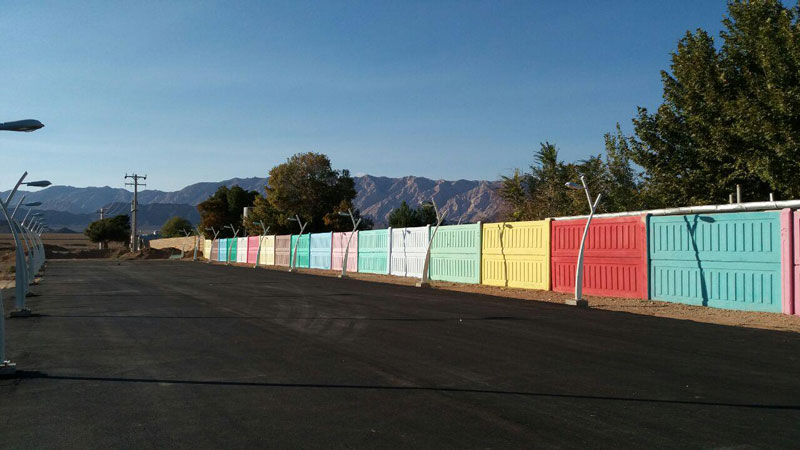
728	261
321	250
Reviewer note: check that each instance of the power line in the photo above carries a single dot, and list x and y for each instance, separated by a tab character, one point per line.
135	207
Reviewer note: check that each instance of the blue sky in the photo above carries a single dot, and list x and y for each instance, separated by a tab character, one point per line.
205	91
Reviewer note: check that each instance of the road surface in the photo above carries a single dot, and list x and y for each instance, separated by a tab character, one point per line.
173	354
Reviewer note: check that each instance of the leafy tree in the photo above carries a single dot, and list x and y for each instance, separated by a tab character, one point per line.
225	207
174	227
541	193
403	216
305	185
111	229
730	115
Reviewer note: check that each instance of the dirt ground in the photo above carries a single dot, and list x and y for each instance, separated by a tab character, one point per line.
748	319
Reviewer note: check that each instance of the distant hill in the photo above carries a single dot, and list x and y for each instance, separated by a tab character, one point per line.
75	208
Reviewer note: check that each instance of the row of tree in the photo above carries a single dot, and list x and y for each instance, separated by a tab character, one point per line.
730	116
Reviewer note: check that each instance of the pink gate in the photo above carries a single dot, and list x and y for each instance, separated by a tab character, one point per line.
790	261
252	249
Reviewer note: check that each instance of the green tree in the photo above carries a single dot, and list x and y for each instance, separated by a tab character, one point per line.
305	185
541	193
403	216
225	207
730	114
112	229
174	227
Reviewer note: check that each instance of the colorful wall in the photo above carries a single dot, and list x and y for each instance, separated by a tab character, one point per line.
742	260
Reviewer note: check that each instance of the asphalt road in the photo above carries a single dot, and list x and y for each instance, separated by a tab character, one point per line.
171	354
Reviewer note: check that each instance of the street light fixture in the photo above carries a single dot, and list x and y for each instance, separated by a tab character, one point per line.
25	126
265	230
578	300
211	252
423	282
230	244
302	225
6	366
352	233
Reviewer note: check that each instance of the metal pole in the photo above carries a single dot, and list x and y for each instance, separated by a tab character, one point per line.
738	193
135	208
302	228
19	277
423	282
349	238
579	301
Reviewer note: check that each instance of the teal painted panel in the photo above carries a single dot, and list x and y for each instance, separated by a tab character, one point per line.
728	261
456	254
303	254
373	251
320	251
232	249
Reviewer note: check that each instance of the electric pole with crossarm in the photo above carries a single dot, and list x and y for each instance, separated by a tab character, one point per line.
135	207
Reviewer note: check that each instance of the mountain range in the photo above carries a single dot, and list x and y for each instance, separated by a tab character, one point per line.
75	208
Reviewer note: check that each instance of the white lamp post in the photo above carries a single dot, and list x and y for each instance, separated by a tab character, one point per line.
230	244
349	238
302	225
423	281
265	230
6	366
211	252
579	301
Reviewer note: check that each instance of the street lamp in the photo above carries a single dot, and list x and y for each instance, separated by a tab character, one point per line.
230	244
6	366
302	225
579	301
423	282
261	238
25	126
211	252
352	233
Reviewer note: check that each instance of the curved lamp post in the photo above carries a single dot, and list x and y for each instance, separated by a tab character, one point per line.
265	230
230	244
423	281
352	233
578	300
211	252
302	226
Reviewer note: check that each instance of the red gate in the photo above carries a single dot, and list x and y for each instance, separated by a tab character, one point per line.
614	259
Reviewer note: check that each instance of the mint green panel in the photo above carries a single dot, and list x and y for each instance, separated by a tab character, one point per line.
456	254
373	251
303	251
720	260
233	249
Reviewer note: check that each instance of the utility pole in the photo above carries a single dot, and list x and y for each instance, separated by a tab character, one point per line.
102	211
135	207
